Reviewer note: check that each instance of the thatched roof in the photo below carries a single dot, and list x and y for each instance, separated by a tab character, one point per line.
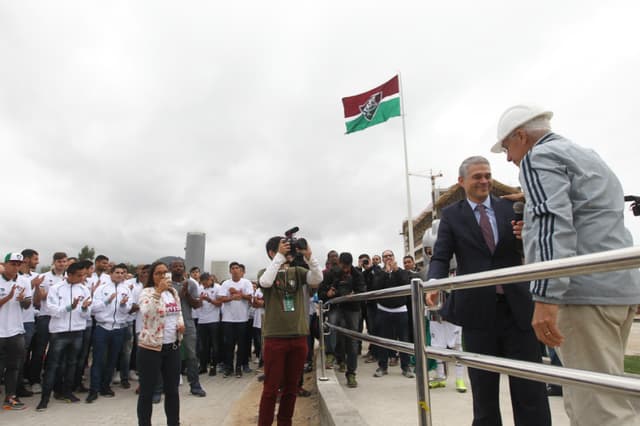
456	193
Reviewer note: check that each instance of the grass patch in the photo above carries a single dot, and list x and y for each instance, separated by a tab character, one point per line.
632	364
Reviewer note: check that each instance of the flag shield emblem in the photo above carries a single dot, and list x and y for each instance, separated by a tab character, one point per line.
369	108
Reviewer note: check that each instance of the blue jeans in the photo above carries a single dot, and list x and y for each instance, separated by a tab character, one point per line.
39	346
11	354
29	330
393	325
125	354
346	319
190	356
83	355
106	345
67	344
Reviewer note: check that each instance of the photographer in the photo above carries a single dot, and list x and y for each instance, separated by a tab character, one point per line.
340	282
285	327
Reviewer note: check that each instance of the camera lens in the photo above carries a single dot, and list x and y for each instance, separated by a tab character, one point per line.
301	244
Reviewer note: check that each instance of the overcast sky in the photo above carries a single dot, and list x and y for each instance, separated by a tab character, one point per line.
124	125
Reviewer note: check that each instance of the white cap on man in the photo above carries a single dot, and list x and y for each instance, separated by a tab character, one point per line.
515	117
13	257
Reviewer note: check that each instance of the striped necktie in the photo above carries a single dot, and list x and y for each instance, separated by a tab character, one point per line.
487	233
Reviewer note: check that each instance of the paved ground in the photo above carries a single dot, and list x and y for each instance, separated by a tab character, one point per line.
121	410
392	399
381	401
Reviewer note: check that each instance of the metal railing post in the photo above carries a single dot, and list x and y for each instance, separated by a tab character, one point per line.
422	375
323	373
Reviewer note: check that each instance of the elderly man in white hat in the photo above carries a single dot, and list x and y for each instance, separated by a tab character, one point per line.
574	206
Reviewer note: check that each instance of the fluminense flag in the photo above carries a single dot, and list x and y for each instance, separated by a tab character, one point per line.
373	107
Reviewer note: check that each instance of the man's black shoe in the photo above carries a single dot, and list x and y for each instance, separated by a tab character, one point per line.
554	390
71	398
91	397
198	391
212	371
82	389
23	393
107	392
124	384
42	405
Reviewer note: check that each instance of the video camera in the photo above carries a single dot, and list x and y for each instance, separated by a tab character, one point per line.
635	203
296	244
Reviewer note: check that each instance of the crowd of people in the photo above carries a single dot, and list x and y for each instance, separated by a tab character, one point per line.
83	314
53	325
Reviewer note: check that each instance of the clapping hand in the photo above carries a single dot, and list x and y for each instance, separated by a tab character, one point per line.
20	296
37	281
86	303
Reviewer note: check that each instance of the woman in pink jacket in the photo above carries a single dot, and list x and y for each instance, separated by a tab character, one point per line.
159	345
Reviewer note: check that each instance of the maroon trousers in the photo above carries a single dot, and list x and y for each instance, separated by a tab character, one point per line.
283	363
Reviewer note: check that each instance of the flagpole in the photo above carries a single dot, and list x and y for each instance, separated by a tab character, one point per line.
406	172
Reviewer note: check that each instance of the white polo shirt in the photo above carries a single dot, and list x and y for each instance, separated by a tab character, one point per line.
29	314
50	279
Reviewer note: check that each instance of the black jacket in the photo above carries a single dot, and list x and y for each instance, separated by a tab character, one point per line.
460	234
384	280
344	284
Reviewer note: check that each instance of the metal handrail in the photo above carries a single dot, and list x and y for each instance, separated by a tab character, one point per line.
579	265
612	260
524	369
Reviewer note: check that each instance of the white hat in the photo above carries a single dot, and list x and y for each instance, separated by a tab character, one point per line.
515	117
13	257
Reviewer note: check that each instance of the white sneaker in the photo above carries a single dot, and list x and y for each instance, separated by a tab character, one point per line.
133	375
116	378
36	388
180	384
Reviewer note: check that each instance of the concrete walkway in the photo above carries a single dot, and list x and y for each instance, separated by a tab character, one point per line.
391	400
121	410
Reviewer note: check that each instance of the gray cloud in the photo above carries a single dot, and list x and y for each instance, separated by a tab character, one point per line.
128	125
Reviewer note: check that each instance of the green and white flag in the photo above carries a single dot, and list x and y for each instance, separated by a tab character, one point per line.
372	107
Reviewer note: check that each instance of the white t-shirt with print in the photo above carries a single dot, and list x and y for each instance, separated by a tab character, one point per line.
259	312
172	312
209	312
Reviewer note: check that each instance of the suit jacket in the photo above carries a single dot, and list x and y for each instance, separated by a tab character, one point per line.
459	233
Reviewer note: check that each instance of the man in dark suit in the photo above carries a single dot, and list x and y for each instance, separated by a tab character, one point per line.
495	320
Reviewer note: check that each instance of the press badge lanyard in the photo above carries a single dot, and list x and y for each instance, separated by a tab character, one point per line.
288	300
